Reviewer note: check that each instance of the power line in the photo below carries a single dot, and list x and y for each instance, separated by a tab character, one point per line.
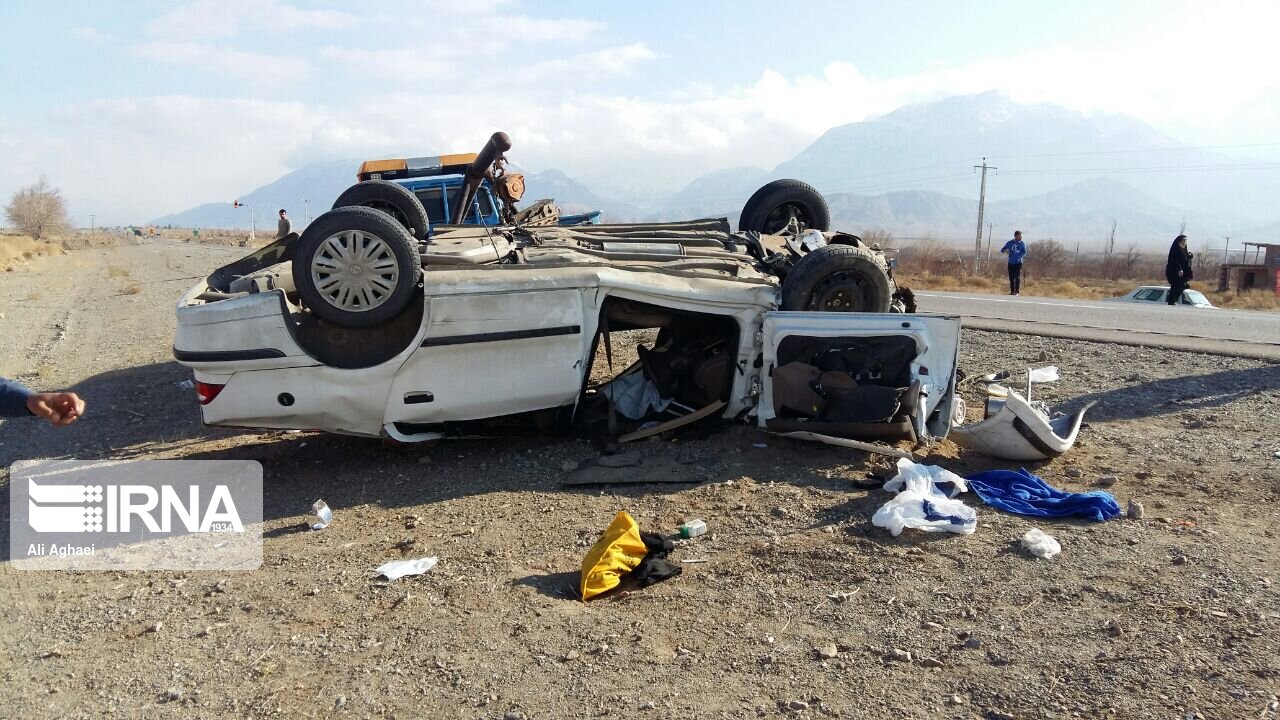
1149	169
1140	150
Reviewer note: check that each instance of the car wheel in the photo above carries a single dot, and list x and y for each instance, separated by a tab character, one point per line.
356	267
391	198
772	207
837	278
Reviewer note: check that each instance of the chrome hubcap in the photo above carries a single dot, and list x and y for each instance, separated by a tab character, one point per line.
354	270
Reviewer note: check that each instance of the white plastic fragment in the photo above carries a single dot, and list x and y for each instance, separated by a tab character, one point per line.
924	503
185	384
321	515
1041	544
1048	373
402	568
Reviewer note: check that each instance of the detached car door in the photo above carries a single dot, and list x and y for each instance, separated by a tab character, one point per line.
491	354
838	370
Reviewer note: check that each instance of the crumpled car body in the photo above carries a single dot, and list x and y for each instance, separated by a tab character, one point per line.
486	339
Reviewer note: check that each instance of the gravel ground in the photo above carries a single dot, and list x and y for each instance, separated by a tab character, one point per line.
801	609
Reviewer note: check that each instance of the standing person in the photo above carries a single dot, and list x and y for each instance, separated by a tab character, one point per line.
1178	270
59	408
284	228
1017	251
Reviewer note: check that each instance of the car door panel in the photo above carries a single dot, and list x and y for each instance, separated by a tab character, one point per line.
937	343
488	355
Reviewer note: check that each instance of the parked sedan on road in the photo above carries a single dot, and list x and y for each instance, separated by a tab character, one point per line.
1150	294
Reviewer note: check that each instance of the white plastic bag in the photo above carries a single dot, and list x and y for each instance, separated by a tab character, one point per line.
943	479
925	501
401	568
1041	544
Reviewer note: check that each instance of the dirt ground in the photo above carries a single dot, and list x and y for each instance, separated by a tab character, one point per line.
801	609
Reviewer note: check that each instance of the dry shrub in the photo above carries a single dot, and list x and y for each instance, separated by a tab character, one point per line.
15	249
115	271
133	289
1249	300
979	283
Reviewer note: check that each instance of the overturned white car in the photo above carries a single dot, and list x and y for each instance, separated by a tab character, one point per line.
356	327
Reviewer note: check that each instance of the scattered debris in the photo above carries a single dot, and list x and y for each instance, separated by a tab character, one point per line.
397	569
185	384
925	501
634	469
1135	510
693	529
1015	430
627	459
1041	544
321	515
898	655
1022	493
828	651
845	442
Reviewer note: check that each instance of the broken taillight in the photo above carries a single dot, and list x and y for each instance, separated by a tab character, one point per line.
206	392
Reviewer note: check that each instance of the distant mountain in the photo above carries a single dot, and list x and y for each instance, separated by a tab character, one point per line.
1036	148
910	172
573	197
320	183
1082	212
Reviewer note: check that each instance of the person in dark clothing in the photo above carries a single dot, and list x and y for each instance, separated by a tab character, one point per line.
59	408
1178	270
1017	251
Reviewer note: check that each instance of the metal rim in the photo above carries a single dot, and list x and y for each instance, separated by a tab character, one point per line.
779	217
841	292
355	270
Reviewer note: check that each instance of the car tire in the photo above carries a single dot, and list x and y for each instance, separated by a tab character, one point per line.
391	198
772	206
838	278
371	289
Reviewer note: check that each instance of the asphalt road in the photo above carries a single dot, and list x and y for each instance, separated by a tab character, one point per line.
1220	331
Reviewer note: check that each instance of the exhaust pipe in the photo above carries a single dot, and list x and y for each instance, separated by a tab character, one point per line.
498	144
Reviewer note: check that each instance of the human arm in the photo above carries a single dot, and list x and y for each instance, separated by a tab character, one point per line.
13	398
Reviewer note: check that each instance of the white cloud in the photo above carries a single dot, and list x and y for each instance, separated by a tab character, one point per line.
258	69
464	71
88	34
227	18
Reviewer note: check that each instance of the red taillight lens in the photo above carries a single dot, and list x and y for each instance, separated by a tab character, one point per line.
206	392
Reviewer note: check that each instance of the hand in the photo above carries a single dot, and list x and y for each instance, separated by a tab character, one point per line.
1179	273
60	408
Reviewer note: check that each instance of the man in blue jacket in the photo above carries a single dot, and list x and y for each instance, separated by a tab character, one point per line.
59	408
1017	251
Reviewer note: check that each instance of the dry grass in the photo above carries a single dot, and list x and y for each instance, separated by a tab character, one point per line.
133	289
18	249
1251	300
1081	289
117	272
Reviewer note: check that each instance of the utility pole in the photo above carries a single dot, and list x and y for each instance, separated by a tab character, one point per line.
1226	250
982	202
990	226
92	224
1075	266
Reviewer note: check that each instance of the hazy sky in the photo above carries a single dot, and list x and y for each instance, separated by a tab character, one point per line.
141	108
